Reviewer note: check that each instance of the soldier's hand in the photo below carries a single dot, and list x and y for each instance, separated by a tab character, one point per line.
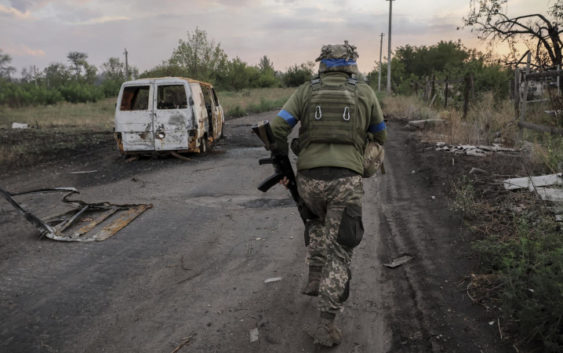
284	181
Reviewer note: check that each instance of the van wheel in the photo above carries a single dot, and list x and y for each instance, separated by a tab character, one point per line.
203	145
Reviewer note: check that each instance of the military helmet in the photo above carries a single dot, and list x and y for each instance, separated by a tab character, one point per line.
338	57
338	51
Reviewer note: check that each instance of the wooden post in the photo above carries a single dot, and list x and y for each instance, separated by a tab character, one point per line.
433	87
517	77
126	65
524	97
466	90
446	94
558	82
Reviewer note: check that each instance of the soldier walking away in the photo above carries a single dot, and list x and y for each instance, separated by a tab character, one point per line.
339	116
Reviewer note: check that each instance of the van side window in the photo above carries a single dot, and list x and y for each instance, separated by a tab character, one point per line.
171	97
135	98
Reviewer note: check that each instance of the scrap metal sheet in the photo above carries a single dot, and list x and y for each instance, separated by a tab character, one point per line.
86	222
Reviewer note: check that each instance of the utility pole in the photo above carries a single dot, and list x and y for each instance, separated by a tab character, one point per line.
380	65
126	65
389	48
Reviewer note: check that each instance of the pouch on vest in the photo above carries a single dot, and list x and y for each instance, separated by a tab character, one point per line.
333	115
373	158
351	229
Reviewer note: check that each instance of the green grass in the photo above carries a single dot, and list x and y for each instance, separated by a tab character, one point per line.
529	265
250	101
97	115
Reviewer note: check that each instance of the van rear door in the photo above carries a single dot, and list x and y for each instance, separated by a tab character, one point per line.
172	117
134	118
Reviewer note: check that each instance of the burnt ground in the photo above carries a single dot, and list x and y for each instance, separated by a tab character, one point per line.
192	269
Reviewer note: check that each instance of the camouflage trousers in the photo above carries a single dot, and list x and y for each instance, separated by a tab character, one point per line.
333	236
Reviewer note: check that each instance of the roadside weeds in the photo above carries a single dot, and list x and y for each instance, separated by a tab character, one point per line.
517	238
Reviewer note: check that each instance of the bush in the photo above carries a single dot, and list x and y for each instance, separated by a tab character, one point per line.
530	266
297	75
236	112
75	92
110	88
26	94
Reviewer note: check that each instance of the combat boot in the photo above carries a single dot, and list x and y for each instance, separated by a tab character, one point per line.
327	334
312	287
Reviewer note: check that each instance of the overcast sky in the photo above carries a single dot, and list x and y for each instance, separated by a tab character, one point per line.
41	32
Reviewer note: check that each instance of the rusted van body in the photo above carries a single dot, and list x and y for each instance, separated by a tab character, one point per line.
167	114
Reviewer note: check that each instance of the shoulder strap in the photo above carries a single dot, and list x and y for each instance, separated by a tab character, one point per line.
315	82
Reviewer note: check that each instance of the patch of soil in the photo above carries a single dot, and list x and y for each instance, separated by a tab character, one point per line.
29	147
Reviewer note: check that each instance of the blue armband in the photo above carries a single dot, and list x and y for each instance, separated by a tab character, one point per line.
377	128
290	119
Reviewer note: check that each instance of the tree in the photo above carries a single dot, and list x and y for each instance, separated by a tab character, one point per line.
56	75
424	61
540	33
79	63
266	65
5	69
78	60
202	59
113	69
267	73
296	75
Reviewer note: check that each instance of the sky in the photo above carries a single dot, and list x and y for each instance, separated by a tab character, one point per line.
42	32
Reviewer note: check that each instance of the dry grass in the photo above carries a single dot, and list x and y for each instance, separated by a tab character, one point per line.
487	122
408	108
97	115
252	97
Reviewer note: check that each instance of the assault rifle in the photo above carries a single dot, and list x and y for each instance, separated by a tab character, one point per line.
282	167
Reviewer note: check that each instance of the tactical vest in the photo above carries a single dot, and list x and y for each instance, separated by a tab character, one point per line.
333	115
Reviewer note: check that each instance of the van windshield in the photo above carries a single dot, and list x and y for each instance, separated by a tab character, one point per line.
172	97
135	98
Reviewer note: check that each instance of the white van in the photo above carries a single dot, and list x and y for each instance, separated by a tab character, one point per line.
167	114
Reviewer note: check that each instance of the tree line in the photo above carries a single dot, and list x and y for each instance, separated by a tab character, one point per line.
414	66
195	57
203	59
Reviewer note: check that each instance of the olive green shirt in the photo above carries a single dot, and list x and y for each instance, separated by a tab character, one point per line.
328	154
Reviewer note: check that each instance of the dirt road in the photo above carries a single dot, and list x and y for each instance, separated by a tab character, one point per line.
192	269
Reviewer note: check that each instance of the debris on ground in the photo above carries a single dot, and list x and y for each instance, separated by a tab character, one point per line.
477	151
20	126
422	124
547	187
478	170
533	182
254	335
84	172
403	259
273	279
181	345
85	222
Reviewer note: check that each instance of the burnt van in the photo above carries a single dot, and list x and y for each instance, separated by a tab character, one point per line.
169	114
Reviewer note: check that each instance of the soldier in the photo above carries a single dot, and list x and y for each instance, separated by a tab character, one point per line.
339	115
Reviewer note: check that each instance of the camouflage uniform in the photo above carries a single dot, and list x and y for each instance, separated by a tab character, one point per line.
329	199
329	177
